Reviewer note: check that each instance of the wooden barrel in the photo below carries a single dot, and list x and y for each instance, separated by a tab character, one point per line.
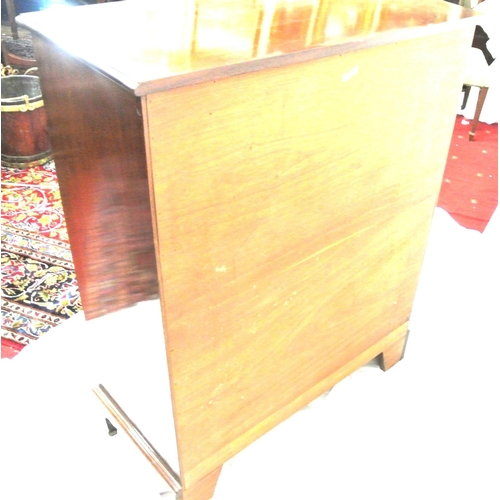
25	137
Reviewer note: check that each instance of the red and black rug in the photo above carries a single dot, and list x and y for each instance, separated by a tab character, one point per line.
39	287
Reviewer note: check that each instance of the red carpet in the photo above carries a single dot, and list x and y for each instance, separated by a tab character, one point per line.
10	348
470	189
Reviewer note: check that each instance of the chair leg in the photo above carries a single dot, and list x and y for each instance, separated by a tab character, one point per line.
466	90
480	101
11	11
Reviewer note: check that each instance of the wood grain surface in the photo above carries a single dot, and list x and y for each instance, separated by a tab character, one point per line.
98	141
276	187
159	45
292	213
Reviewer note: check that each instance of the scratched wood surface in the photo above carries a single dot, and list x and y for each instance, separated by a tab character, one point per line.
292	209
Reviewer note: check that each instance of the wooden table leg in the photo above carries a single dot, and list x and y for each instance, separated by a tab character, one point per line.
204	488
479	106
393	353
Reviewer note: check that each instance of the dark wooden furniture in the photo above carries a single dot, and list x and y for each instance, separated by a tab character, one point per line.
25	138
271	172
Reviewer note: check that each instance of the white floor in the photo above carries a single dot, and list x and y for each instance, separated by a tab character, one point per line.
427	429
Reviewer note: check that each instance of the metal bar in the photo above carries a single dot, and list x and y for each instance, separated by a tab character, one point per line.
149	451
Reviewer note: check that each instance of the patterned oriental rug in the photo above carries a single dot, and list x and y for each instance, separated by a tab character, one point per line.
39	287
